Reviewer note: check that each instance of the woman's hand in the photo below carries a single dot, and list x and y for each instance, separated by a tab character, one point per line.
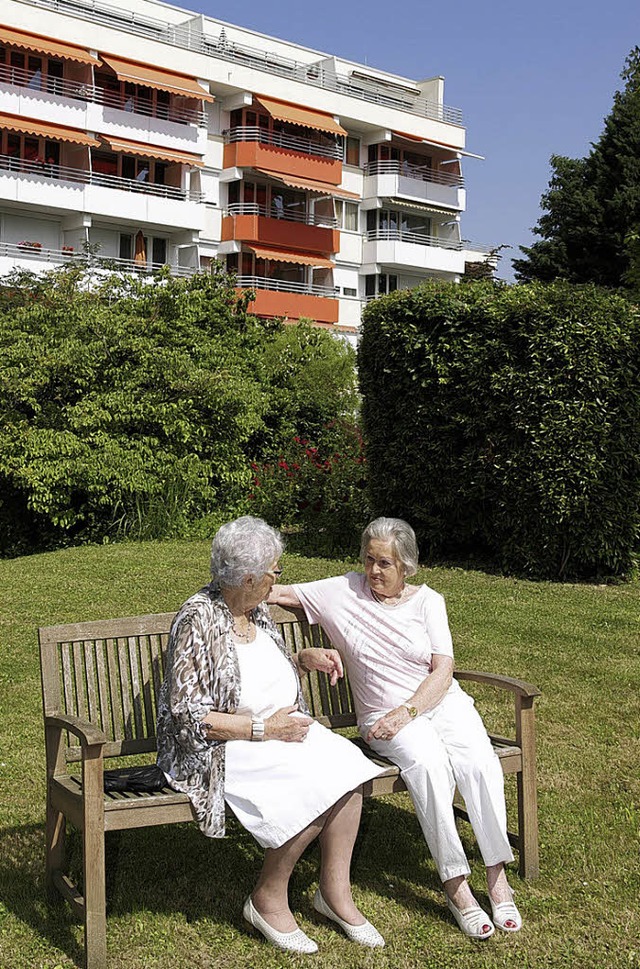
325	660
388	726
281	725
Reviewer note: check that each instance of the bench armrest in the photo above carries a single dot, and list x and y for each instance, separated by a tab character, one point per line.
519	687
87	733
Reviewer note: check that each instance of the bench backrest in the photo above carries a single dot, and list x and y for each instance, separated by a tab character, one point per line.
109	673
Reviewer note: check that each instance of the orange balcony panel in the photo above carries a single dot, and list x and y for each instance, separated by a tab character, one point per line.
252	154
280	233
293	305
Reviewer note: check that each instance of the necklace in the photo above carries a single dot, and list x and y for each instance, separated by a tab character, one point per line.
247	635
389	600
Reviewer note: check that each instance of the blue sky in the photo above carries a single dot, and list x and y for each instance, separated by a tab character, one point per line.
532	79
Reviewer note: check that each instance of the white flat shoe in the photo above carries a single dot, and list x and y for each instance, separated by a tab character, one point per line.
364	934
473	921
506	916
295	941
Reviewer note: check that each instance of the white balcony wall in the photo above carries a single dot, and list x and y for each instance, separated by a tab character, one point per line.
394	185
350	311
392	253
18	228
350	247
106	120
43	106
352	180
214	150
212	229
141	208
56	194
102	119
210	186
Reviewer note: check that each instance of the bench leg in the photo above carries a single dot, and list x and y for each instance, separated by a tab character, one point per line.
527	792
55	844
93	861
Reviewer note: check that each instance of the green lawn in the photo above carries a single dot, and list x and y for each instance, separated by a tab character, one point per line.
175	898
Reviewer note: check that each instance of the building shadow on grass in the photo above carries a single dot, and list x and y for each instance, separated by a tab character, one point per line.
174	869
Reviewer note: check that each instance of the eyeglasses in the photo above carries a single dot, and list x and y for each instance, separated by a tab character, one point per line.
275	572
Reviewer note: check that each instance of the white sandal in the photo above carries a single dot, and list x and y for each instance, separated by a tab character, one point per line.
505	912
473	921
295	941
365	934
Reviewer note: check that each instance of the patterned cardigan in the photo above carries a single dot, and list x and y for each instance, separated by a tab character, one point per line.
202	675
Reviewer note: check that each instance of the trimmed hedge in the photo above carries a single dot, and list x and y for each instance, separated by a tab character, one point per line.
504	423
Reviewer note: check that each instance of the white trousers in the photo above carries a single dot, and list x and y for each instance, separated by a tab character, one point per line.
440	749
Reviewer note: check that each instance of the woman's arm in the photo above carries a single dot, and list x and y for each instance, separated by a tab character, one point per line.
279	726
283	595
426	697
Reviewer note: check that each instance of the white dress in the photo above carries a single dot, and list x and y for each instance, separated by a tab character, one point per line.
275	788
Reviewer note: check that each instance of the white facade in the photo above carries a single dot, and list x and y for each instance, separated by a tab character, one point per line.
159	136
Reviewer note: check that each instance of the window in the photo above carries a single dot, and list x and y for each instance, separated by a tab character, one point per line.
159	252
347	215
126	246
352	151
349	291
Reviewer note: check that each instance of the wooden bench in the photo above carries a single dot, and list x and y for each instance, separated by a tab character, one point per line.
100	681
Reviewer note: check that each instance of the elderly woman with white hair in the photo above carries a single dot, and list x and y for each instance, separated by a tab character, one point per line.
396	645
233	727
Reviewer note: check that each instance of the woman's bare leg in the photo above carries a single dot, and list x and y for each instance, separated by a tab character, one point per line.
337	839
270	896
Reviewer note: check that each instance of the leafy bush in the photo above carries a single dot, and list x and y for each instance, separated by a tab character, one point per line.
319	492
505	422
135	408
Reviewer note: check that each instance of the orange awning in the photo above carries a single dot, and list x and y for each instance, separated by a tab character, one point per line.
156	77
151	151
322	188
301	258
55	132
294	114
45	45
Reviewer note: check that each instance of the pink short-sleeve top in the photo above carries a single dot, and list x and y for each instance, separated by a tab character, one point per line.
387	650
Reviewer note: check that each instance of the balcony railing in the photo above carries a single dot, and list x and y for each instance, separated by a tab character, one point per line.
253	208
280	140
421	172
412	236
190	37
78	91
284	286
51	171
58	257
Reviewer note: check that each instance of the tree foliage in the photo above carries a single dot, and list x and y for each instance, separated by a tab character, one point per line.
504	423
592	203
136	407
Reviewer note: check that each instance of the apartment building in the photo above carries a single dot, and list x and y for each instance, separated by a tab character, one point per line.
160	136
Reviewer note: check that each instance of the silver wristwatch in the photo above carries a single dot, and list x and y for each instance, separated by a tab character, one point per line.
257	728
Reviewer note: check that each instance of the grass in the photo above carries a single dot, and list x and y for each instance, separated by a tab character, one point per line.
175	898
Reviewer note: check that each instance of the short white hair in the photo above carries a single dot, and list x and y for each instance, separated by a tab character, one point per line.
402	537
246	546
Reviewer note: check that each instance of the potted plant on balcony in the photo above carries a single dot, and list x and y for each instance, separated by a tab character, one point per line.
67	250
27	244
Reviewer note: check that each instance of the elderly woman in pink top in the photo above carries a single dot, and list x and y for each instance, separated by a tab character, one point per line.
395	641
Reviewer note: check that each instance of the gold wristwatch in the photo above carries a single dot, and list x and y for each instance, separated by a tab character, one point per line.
413	711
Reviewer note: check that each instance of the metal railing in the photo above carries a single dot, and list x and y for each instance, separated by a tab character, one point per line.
281	140
412	236
284	286
64	256
79	91
284	215
54	172
190	37
420	172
